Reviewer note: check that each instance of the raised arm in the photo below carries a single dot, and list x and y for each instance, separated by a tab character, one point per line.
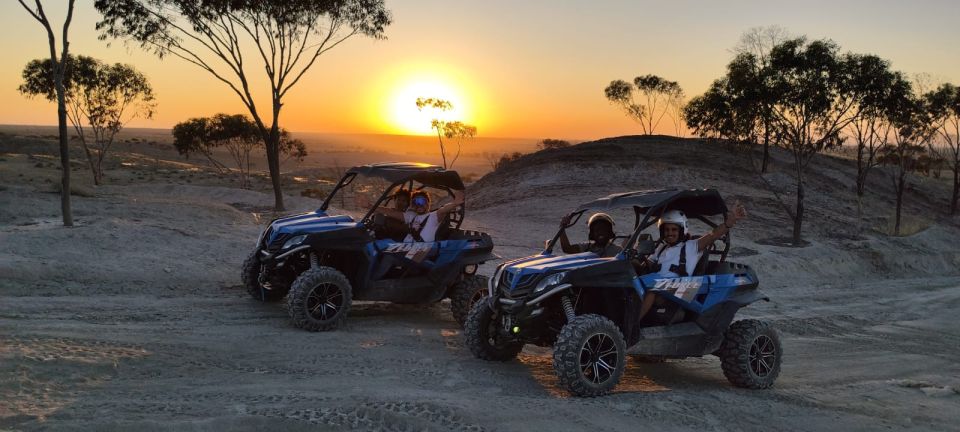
565	245
452	205
730	219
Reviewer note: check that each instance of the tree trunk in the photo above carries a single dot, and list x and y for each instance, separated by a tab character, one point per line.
443	151
98	175
798	217
956	191
64	143
900	186
766	148
90	161
861	176
272	141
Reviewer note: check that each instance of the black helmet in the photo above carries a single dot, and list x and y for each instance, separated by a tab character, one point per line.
597	218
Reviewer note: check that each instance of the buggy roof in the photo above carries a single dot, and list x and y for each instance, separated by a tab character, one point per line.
396	172
705	202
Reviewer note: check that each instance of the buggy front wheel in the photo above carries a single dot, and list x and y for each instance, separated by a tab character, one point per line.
589	356
483	337
465	293
254	282
320	299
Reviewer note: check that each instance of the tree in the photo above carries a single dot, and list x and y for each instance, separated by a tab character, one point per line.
911	116
815	93
657	95
458	131
550	143
455	130
191	137
730	108
104	97
944	104
758	42
58	71
218	36
234	133
877	87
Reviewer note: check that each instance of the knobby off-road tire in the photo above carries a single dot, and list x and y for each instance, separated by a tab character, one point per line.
751	354
464	294
589	356
320	299
481	331
250	274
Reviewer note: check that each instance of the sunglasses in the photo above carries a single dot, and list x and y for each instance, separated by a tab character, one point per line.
420	201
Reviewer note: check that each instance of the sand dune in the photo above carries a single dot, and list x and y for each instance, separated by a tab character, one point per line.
135	318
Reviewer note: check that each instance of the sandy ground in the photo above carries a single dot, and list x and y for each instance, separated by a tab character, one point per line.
135	319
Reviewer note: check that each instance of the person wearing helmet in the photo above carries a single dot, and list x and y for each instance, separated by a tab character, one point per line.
600	236
395	227
677	254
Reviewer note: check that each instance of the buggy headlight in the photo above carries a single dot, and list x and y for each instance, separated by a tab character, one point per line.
550	281
294	241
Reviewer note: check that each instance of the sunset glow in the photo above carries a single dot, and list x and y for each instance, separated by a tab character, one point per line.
403	115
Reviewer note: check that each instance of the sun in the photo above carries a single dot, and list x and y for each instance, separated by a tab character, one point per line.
406	118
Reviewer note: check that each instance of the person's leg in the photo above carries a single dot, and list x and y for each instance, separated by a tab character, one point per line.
648	299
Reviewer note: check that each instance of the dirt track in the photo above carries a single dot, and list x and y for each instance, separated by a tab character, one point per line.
135	320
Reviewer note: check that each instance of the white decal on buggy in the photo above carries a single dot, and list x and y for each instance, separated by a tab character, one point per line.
685	288
414	251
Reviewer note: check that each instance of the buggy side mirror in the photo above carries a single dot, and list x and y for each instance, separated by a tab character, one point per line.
645	237
646	247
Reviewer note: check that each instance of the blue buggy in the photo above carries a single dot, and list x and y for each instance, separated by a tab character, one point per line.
322	262
587	306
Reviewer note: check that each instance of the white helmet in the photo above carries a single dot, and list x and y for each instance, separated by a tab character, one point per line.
675	217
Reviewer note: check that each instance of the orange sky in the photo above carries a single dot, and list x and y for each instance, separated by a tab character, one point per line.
515	69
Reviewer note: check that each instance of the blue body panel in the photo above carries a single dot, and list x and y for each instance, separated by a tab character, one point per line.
522	270
695	293
308	223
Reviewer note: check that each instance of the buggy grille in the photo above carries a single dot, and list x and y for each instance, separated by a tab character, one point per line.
514	285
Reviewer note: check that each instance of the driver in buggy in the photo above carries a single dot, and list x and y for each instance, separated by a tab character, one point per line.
396	229
421	223
600	237
678	253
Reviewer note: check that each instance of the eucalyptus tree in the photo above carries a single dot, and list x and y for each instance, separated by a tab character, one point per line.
451	129
945	110
647	100
814	95
758	42
803	96
38	13
231	39
102	96
730	109
234	133
912	118
876	87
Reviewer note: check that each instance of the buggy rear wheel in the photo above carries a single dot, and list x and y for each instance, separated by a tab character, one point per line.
751	354
252	275
320	299
482	335
589	356
465	293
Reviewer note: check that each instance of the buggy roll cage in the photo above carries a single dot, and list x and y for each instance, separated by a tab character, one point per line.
400	174
696	203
